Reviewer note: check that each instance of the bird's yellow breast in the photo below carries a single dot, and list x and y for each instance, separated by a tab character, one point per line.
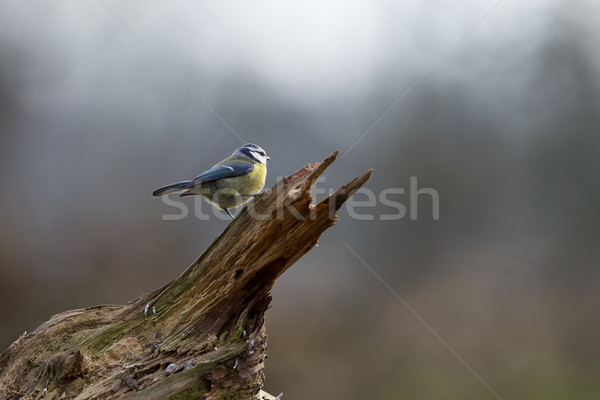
225	192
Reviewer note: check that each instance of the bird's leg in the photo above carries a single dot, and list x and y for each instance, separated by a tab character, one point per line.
227	211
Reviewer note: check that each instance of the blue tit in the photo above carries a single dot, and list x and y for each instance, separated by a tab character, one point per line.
230	183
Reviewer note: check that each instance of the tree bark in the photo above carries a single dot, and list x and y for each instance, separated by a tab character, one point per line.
202	336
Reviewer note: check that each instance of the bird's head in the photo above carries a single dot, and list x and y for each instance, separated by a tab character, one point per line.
253	152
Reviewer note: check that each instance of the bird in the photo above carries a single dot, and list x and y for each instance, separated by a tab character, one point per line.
229	183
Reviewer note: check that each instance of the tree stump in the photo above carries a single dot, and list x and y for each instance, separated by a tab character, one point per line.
202	336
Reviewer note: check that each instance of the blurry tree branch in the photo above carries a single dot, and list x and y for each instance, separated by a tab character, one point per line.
202	336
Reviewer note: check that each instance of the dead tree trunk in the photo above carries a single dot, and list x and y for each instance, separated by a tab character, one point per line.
201	336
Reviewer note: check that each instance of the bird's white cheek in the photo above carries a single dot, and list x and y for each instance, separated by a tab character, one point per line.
259	157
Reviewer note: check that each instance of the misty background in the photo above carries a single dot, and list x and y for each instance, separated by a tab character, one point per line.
504	123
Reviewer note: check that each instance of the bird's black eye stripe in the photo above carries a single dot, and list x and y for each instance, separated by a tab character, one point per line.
246	152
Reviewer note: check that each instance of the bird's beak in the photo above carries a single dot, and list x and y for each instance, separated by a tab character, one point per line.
268	158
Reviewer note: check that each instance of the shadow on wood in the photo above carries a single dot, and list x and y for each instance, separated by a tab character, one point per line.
202	336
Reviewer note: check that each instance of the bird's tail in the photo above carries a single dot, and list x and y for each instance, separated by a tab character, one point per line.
172	188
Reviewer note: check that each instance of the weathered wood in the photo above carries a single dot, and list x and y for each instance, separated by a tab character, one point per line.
202	336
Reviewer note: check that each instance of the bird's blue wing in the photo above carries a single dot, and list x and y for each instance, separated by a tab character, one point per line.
222	171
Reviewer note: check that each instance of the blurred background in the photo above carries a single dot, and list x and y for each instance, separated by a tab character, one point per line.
505	127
